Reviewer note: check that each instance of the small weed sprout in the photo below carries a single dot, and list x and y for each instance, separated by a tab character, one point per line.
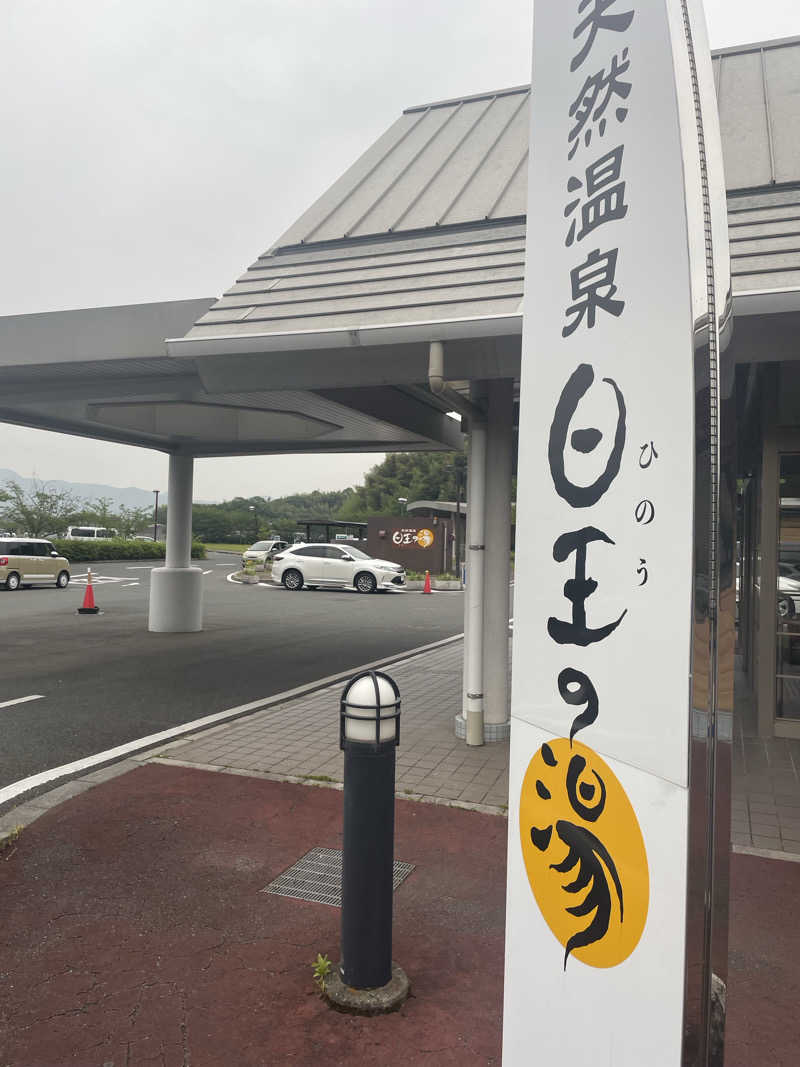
322	968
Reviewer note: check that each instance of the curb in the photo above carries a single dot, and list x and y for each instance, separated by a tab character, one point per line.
30	810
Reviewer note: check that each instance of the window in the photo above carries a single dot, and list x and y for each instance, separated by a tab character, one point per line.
356	553
311	550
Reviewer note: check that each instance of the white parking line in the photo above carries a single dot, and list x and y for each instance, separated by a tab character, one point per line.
209	572
101	579
130	585
25	784
22	700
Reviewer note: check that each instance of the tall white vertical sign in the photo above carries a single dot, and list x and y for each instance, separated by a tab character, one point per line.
599	803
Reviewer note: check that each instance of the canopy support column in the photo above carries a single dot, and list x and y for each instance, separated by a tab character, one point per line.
176	590
499	464
469	724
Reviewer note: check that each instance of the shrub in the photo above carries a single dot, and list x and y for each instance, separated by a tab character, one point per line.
91	551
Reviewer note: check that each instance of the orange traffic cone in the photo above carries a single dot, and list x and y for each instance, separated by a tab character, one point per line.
427	587
88	600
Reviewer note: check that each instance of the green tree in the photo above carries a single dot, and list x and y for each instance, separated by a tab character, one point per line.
413	475
130	520
38	511
99	512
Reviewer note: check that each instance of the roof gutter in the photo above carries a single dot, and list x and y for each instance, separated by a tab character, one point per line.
348	337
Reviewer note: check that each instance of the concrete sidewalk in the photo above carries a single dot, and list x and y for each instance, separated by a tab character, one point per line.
299	740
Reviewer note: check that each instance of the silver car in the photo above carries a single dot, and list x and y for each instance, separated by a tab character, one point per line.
262	551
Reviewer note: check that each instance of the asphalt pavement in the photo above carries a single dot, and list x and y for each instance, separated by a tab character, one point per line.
102	681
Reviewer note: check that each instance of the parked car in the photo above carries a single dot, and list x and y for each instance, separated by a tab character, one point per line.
28	561
261	551
788	602
332	566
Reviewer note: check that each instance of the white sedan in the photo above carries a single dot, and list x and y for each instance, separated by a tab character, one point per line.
335	566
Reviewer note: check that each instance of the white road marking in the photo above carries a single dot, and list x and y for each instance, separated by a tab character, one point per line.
102	579
209	572
111	754
130	585
149	567
22	700
222	564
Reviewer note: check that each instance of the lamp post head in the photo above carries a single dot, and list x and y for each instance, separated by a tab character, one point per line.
370	712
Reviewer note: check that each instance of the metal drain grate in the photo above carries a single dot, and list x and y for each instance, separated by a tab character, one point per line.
317	876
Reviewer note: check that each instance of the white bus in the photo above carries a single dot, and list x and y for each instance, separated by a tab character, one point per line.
80	533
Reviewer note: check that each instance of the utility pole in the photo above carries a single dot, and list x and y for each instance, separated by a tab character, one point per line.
155	516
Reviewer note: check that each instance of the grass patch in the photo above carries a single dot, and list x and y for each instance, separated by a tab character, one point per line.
11	838
226	548
318	778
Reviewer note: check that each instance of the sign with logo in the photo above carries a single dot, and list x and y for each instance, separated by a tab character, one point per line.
602	648
423	538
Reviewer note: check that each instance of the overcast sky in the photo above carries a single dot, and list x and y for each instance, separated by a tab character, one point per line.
152	149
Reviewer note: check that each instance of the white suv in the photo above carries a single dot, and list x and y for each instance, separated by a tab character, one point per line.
335	566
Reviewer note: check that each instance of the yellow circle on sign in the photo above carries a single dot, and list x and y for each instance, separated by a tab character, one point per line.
584	854
424	538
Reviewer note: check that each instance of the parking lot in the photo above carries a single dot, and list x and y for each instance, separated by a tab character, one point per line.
72	686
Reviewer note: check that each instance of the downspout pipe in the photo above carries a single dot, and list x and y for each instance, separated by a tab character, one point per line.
473	701
439	387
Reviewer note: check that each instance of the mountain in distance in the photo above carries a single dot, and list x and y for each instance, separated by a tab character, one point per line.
129	497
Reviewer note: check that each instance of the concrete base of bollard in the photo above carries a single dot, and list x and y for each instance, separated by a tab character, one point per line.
378	1001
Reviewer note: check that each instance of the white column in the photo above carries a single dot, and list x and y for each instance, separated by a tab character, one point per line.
473	600
176	590
499	460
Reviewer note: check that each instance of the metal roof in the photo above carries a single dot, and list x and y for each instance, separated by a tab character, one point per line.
427	228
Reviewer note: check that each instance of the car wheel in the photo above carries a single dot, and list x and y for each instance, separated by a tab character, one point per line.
365	582
62	581
292	580
786	607
12	581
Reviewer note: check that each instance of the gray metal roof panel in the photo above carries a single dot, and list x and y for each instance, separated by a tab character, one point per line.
783	88
418	174
428	225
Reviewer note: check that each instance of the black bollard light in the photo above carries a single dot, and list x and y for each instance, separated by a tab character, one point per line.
369	732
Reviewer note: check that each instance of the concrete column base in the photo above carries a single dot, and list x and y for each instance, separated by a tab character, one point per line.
492	731
176	600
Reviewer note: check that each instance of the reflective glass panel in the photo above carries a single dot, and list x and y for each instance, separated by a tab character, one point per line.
787	689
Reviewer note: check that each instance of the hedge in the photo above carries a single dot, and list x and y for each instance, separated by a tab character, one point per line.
91	551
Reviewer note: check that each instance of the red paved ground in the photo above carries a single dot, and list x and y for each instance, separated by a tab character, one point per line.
764	964
133	932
